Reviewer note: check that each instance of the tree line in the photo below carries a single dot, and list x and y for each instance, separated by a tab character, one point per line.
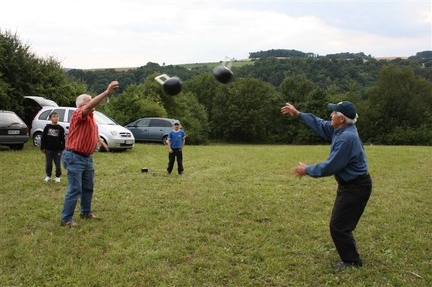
393	98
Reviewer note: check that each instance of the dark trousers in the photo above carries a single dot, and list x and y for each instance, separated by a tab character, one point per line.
50	156
177	153
351	200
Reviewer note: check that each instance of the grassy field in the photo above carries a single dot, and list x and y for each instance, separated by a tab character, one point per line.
236	218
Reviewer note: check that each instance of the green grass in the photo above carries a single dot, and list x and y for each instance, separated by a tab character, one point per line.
236	218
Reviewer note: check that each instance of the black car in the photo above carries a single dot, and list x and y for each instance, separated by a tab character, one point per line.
13	130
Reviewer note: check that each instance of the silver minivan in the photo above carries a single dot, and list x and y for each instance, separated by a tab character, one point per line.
114	135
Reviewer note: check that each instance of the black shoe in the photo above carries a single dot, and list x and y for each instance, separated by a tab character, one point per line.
345	265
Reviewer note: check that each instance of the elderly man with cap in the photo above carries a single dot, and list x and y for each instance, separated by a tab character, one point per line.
347	163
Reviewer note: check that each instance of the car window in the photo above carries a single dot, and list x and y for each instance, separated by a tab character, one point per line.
157	123
44	115
70	115
143	123
61	114
8	118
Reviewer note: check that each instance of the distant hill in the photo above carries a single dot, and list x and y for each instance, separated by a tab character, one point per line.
284	54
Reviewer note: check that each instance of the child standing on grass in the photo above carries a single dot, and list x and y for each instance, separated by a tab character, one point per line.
176	141
53	144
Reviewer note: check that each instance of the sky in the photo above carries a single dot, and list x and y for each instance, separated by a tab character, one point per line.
90	34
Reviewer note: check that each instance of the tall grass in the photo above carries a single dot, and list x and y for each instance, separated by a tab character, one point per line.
236	218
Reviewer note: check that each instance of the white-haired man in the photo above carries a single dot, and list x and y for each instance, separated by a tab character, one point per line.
81	142
347	162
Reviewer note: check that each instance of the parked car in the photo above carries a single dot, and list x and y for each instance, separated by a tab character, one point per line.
151	129
114	135
13	130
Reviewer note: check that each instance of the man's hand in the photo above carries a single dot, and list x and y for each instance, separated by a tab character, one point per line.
103	144
289	109
112	86
299	170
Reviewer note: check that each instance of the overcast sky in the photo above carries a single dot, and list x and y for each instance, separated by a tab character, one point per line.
130	33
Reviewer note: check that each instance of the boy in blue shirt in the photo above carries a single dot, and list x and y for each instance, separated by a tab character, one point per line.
176	141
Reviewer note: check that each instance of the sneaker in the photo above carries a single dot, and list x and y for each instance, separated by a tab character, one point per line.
68	223
57	179
89	215
47	178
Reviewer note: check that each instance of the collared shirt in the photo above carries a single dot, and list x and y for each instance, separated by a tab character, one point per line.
83	133
347	159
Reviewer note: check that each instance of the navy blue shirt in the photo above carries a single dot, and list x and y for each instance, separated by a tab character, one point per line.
53	138
176	138
347	159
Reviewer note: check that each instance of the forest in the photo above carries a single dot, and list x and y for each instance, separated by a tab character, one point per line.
393	97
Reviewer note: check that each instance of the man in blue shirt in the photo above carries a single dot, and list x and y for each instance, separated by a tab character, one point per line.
347	162
176	141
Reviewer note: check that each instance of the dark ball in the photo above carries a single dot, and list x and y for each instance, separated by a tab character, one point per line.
172	86
222	74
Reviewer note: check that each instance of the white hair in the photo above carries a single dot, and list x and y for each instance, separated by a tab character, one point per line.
80	100
348	120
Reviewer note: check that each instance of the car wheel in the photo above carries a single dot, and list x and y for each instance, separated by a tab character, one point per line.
164	140
37	137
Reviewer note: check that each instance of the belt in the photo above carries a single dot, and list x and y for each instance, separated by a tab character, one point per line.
78	153
358	178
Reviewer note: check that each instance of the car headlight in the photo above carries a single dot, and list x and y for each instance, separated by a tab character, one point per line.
114	133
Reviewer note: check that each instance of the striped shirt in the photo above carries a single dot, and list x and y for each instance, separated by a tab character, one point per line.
83	133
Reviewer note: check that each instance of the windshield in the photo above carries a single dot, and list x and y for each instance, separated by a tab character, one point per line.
103	119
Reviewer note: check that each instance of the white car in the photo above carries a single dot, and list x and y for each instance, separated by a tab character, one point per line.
114	135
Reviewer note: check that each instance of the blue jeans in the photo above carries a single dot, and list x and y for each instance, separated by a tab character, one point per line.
50	156
80	173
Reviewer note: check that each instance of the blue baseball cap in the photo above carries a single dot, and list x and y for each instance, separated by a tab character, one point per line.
346	108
